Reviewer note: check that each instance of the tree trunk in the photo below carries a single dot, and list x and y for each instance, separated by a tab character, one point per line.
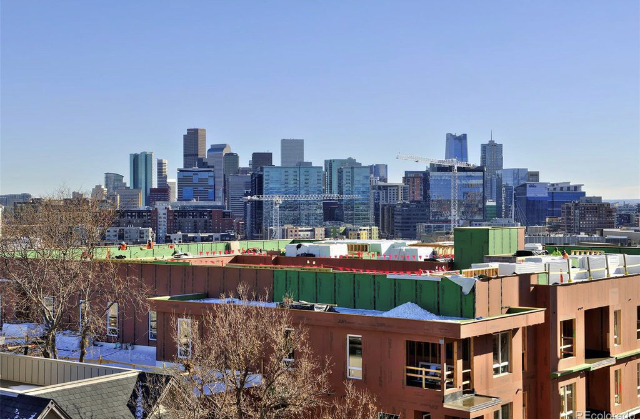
83	345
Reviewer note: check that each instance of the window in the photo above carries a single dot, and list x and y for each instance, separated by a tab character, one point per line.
49	305
501	353
153	325
638	378
525	401
503	413
525	361
638	322
617	319
388	416
291	355
617	383
354	357
84	311
112	320
184	338
568	401
567	338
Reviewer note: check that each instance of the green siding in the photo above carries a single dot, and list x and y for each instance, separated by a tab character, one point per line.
450	300
384	293
325	283
427	295
364	292
279	285
292	285
469	304
345	290
307	285
405	291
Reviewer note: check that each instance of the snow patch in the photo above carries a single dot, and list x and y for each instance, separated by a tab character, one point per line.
17	332
413	311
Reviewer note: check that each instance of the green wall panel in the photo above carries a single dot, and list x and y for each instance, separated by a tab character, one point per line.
293	290
469	304
307	286
427	295
279	285
364	292
345	290
405	291
450	300
384	293
325	284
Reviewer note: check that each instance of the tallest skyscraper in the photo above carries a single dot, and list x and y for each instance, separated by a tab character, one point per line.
456	147
194	146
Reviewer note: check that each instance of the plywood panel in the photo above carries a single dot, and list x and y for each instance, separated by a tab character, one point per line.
364	292
345	293
325	283
307	286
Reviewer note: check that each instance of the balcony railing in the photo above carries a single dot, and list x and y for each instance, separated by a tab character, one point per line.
428	376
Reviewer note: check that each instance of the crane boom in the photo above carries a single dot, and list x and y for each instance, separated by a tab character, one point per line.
454	164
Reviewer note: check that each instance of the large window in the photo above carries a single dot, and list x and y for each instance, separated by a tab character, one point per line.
567	338
504	412
49	305
153	325
184	338
112	320
568	401
617	323
501	353
617	384
354	357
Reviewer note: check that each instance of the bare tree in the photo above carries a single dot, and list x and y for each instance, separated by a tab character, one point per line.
355	404
50	254
244	359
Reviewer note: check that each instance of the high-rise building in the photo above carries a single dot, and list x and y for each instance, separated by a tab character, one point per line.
384	194
162	173
159	195
380	171
506	181
417	183
291	152
533	176
491	159
173	188
588	215
470	193
355	181
98	192
238	186
230	163
331	167
194	146
561	193
215	161
114	181
277	180
261	158
141	173
196	184
129	198
456	147
531	203
9	200
406	217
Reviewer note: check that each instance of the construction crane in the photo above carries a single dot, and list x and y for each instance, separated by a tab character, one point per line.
276	200
454	164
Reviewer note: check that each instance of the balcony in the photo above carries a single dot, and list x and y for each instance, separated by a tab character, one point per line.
435	366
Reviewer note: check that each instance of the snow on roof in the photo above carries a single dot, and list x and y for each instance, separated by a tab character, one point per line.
235	301
408	310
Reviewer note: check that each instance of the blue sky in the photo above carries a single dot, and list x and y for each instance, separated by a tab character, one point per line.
83	84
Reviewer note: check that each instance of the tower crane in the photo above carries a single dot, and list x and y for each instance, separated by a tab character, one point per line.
277	200
454	164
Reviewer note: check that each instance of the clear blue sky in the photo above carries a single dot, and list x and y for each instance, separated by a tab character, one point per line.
84	83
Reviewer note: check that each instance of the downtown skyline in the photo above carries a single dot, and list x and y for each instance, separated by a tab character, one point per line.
353	91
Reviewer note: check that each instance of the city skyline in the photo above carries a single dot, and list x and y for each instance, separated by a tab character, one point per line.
352	93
